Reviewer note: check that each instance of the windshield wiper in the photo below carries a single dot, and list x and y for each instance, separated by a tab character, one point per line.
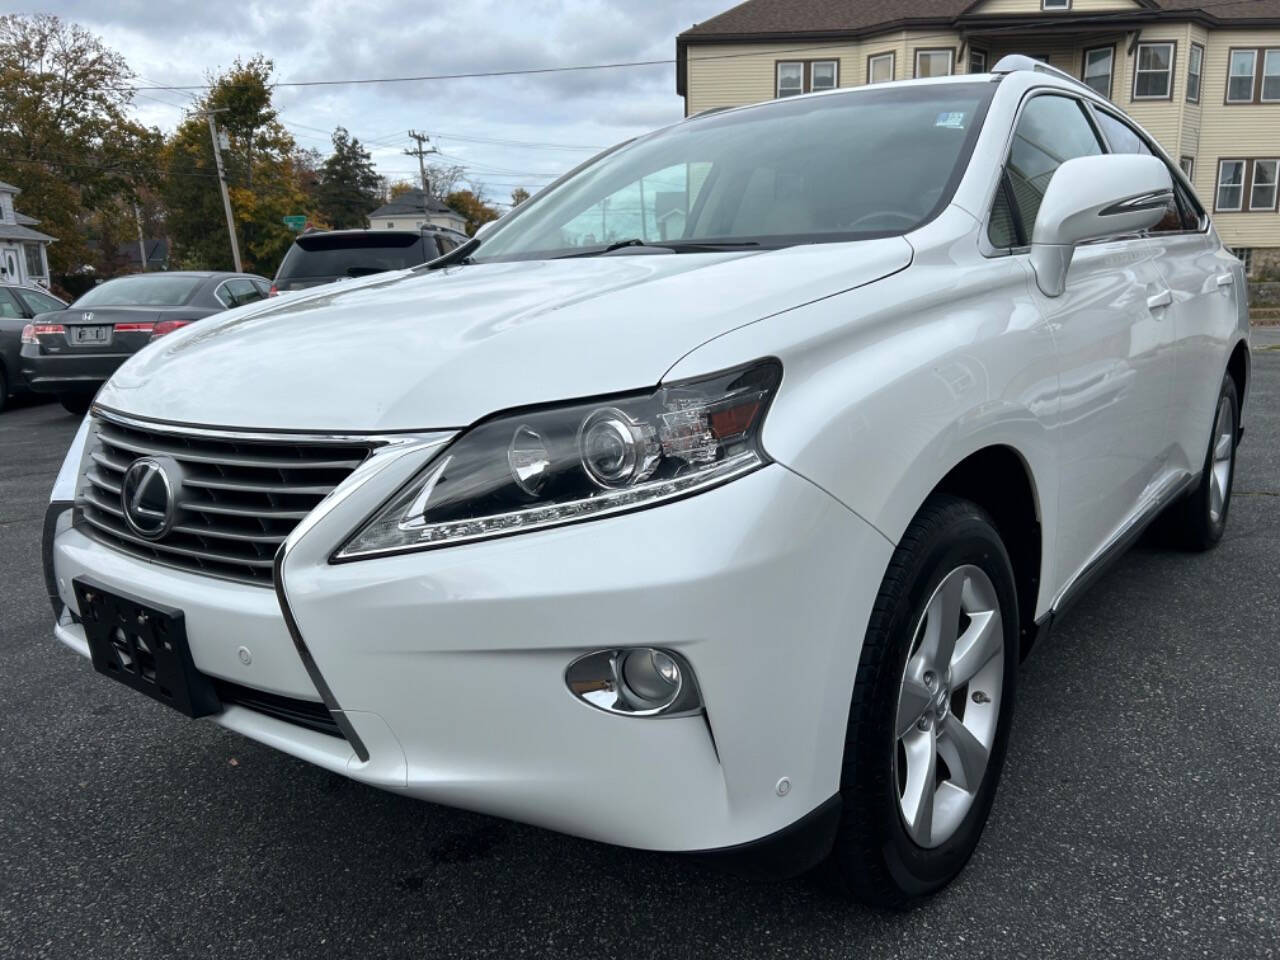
674	246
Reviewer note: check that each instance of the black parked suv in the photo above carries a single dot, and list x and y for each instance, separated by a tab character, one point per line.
323	256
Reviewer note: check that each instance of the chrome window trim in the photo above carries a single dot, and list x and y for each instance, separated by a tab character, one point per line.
218	293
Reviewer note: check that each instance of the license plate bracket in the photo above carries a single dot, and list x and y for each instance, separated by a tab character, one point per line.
144	646
98	335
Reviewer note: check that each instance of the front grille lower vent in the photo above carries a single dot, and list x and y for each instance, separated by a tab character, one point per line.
238	499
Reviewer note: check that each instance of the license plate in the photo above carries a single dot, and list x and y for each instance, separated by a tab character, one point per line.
91	336
144	647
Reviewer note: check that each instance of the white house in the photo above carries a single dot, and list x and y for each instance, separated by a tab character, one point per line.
413	209
23	257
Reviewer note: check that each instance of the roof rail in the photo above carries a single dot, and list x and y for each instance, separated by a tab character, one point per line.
1017	61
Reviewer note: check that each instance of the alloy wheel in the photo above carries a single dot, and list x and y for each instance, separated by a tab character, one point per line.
949	705
1224	430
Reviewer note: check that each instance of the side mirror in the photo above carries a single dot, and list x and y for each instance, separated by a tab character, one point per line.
1090	198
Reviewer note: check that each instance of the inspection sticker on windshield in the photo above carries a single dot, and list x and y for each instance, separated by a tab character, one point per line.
953	120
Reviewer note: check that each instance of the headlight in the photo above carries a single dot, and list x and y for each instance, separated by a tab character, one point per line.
539	468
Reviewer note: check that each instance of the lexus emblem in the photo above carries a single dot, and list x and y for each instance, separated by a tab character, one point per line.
86	317
148	496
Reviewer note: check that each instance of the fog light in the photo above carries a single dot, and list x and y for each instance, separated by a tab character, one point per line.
641	681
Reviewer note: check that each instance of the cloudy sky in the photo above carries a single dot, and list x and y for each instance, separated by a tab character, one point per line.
567	114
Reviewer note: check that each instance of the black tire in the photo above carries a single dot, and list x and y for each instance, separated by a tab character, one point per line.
77	403
1192	522
874	857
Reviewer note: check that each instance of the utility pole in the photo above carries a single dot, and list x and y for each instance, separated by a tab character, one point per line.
421	152
222	182
142	244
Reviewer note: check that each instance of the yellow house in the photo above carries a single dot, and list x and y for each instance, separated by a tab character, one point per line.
1203	76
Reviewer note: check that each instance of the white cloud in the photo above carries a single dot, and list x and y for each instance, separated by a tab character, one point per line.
180	42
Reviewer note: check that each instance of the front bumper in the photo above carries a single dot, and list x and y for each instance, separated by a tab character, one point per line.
68	373
448	664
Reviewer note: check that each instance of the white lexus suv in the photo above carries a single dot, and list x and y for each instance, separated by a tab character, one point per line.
708	501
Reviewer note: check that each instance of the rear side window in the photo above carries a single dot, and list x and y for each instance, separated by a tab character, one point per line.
39	302
1184	211
1050	131
352	255
241	291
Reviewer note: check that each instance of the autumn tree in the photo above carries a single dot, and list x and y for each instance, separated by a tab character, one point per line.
472	206
518	196
65	137
262	168
349	185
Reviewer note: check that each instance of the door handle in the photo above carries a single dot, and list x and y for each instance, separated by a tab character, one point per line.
1226	279
1161	299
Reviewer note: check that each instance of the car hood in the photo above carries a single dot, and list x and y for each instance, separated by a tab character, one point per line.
426	350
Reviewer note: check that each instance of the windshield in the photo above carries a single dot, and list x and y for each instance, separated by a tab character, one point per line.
352	254
849	166
149	290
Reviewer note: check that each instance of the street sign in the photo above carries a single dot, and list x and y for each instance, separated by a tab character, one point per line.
295	222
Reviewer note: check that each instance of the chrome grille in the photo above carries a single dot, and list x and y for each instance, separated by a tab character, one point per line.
239	498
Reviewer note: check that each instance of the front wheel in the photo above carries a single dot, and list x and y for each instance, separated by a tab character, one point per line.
931	708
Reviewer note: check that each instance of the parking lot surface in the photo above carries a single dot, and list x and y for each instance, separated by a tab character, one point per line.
1139	814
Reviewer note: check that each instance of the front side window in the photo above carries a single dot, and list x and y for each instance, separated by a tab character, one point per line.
1098	64
790	78
1262	194
880	68
803	170
1240	76
9	306
934	63
1230	185
1195	66
1182	213
1051	130
1153	78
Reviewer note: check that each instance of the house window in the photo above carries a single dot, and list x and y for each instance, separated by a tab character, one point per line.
391	224
977	61
1098	65
1230	185
1244	64
1188	166
822	75
35	265
1245	256
1153	78
880	68
1271	76
935	63
1055	4
791	78
1195	66
805	76
1262	195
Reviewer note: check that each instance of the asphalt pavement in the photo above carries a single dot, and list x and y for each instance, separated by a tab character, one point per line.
1139	814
